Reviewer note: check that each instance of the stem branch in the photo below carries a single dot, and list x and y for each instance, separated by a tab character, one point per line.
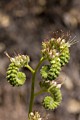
32	85
40	92
27	66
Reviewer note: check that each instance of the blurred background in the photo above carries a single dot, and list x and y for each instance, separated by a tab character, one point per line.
24	24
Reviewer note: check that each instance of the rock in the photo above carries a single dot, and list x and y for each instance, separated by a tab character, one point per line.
73	106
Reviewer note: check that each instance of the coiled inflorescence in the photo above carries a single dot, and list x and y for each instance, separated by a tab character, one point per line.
14	76
51	71
56	51
52	101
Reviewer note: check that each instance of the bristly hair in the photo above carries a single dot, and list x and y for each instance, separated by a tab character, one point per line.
58	34
15	53
63	35
72	41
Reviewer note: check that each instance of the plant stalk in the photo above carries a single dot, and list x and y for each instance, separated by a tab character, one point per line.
29	67
40	92
33	84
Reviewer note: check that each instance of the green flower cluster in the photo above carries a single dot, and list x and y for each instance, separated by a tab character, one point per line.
51	102
56	51
14	76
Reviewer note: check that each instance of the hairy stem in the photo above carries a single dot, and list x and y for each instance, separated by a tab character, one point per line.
32	85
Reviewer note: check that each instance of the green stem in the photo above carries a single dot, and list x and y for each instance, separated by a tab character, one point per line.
27	66
40	92
50	87
32	85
